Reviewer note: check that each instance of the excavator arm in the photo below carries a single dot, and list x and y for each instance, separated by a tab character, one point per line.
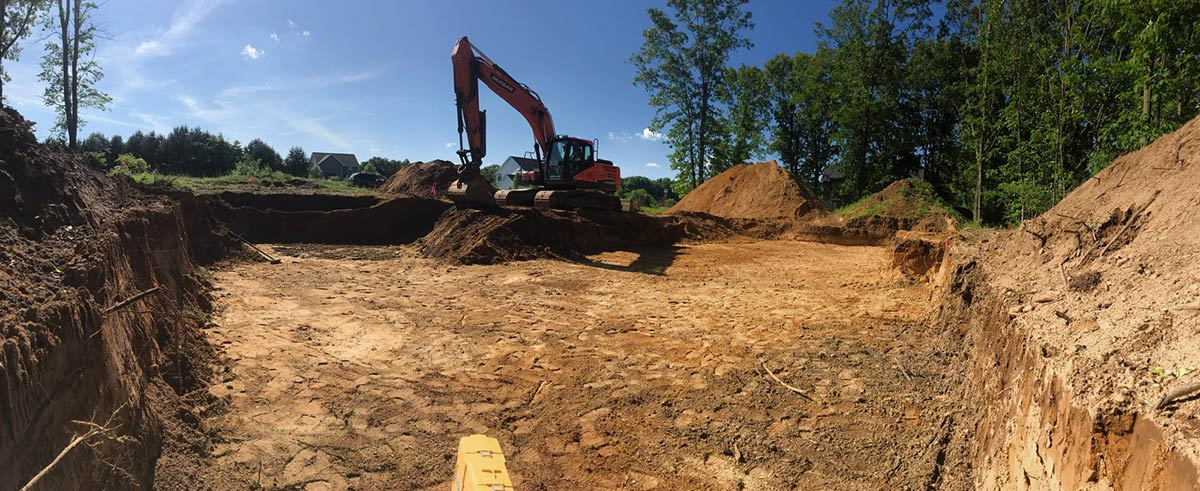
472	66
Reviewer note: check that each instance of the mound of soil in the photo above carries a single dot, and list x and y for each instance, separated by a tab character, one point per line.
468	236
1088	311
421	179
907	204
75	245
762	190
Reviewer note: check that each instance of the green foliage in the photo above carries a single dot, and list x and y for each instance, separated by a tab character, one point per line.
682	64
801	98
489	172
297	163
129	164
19	18
385	166
96	160
69	66
916	199
266	156
641	198
1003	106
749	108
657	189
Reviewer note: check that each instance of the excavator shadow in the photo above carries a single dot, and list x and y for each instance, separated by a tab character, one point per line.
651	260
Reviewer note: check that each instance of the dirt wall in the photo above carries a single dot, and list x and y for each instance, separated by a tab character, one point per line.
279	219
1020	425
74	243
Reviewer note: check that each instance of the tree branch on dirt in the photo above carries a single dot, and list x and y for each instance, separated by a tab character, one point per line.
785	384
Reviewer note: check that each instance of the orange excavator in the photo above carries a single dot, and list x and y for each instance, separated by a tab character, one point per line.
568	175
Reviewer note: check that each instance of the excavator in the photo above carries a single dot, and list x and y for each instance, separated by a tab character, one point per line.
569	175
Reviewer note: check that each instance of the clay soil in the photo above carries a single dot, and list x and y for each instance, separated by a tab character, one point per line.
763	190
360	367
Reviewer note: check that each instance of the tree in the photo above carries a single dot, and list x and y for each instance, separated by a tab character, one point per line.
489	172
17	18
296	163
682	65
749	108
869	42
95	142
801	101
386	167
69	67
264	154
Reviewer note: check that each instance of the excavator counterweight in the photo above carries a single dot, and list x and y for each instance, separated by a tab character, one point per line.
568	175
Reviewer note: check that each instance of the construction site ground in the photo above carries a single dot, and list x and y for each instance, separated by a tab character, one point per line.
359	367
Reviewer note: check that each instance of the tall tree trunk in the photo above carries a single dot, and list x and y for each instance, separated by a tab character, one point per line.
76	21
978	181
3	29
701	138
63	12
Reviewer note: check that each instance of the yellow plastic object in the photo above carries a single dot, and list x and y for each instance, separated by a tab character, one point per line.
480	465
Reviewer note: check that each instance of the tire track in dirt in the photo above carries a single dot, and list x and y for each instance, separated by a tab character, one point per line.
622	371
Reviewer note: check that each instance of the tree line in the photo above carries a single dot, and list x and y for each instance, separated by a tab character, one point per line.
1003	106
196	152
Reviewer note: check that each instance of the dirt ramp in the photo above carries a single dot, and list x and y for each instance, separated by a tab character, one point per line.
421	178
762	190
469	236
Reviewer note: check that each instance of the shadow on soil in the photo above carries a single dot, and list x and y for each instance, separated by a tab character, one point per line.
652	261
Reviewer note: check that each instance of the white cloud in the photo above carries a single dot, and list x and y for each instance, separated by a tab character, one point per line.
652	164
449	144
183	21
313	128
649	134
291	24
376	149
619	136
251	53
154	122
315	83
306	34
274	37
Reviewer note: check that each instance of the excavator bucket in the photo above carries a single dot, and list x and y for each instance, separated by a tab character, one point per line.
475	193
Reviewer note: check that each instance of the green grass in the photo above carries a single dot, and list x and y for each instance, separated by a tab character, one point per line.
263	181
918	193
654	210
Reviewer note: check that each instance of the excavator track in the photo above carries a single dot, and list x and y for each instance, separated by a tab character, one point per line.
576	199
515	197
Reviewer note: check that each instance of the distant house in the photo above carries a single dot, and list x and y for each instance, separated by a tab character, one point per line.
511	166
831	178
339	165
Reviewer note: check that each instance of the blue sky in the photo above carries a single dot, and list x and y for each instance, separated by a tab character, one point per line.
374	78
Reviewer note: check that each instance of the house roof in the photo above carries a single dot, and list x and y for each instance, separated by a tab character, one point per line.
524	163
346	159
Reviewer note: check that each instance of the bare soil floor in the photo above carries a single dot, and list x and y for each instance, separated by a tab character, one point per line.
360	367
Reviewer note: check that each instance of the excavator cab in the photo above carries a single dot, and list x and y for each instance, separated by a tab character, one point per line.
567	157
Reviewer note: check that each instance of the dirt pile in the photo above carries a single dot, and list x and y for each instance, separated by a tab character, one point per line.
762	190
468	236
74	247
1082	321
421	179
907	204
